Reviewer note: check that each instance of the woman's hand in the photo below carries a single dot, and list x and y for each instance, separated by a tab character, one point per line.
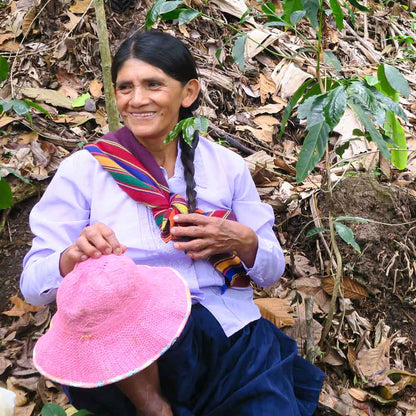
212	235
94	241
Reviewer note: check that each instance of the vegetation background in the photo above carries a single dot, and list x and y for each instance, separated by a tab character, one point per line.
318	96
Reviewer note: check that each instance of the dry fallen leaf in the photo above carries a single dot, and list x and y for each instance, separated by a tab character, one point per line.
25	410
20	307
351	289
80	6
53	97
96	88
277	311
5	120
21	398
9	46
375	361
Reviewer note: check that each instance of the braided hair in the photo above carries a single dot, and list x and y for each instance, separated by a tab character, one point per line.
171	56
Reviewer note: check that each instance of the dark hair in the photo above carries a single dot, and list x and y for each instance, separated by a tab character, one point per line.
171	56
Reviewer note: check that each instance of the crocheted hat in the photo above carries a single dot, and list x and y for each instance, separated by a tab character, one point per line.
114	318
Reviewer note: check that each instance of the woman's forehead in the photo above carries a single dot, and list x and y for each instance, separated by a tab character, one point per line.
136	68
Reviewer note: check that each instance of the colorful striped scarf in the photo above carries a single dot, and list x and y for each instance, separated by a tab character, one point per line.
137	173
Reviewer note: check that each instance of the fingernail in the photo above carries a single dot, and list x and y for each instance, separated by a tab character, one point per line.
118	251
175	245
97	254
175	218
84	257
173	230
108	250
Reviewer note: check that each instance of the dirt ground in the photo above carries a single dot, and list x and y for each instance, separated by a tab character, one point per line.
14	244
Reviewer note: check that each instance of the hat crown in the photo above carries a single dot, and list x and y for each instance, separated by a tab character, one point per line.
92	294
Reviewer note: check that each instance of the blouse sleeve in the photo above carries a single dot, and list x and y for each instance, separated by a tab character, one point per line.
56	220
269	264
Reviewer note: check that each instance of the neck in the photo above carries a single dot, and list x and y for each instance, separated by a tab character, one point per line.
164	154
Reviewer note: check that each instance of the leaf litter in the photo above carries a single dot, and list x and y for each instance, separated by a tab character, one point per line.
370	355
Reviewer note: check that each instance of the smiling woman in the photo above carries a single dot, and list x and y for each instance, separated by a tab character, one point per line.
191	208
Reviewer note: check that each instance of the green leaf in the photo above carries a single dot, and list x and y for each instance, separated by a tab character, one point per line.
311	7
187	16
348	218
312	150
154	13
335	107
291	104
53	409
20	107
331	60
371	80
4	68
359	6
347	235
367	122
80	101
188	130
238	51
337	13
315	231
384	82
175	131
290	6
168	6
201	124
296	17
395	131
218	56
315	108
245	16
6	104
82	413
13	172
395	79
6	196
38	107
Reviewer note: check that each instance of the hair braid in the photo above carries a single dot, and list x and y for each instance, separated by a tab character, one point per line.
187	158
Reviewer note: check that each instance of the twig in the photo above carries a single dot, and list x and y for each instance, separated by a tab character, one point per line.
309	344
365	21
110	99
372	55
318	224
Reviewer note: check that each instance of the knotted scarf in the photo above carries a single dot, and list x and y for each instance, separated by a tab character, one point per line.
137	173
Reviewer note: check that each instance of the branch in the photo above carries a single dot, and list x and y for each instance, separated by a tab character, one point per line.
110	99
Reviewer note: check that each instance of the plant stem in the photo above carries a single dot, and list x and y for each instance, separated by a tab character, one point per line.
110	99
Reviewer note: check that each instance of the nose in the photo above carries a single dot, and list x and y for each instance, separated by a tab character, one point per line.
138	97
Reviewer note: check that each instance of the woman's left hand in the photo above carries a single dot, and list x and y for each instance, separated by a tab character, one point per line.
212	235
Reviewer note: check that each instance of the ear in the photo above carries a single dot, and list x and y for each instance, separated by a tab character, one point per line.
190	92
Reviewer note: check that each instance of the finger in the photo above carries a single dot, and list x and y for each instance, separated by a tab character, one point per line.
193	245
87	244
203	254
110	237
192	218
190	231
69	258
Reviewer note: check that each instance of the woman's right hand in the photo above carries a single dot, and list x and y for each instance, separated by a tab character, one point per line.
94	241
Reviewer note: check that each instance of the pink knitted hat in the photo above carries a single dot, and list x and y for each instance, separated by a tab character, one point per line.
114	319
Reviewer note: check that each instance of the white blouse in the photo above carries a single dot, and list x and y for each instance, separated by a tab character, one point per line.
83	193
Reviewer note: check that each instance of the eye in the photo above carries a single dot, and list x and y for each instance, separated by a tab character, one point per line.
124	88
154	84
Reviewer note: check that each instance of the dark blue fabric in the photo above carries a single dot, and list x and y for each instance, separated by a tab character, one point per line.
255	372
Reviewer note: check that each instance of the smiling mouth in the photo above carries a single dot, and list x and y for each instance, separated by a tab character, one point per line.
143	115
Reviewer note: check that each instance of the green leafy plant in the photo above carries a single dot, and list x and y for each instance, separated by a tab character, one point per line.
53	409
20	107
188	126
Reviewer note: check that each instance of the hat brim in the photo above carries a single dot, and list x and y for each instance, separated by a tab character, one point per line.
140	336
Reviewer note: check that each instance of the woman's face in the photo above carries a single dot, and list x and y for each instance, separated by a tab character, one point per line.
149	100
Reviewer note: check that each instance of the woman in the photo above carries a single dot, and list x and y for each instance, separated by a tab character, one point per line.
228	360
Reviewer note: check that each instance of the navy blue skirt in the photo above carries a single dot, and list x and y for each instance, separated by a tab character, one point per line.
255	372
